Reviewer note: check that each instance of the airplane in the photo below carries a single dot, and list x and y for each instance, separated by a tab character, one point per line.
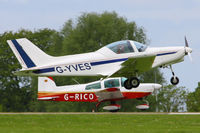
110	89
125	58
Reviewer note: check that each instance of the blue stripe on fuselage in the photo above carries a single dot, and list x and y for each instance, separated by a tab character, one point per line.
27	60
107	61
52	69
165	53
45	70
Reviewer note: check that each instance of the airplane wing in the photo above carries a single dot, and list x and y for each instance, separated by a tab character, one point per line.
109	94
135	65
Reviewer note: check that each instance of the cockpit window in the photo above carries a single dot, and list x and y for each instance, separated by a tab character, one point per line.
111	83
121	47
141	47
93	86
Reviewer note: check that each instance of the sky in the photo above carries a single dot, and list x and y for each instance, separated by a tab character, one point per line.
165	23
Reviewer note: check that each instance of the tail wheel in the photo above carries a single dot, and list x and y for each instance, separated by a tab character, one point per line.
135	82
174	80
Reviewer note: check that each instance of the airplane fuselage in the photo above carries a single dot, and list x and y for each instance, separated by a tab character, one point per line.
85	93
98	63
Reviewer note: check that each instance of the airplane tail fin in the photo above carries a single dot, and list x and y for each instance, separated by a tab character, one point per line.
28	54
46	89
46	84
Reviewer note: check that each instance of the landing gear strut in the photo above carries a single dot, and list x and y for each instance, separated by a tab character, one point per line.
174	80
96	107
133	82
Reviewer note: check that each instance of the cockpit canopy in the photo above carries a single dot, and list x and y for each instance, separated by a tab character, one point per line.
120	47
141	47
110	83
126	46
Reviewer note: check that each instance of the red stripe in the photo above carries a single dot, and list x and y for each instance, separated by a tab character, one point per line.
133	95
91	97
51	78
112	89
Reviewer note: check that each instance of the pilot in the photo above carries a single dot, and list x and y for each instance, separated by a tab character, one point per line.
110	83
120	49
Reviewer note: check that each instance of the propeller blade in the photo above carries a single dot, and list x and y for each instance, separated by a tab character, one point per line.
190	57
186	43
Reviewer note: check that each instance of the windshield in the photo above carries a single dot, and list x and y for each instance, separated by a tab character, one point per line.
123	79
141	47
121	47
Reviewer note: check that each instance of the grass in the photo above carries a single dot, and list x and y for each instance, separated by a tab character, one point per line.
99	123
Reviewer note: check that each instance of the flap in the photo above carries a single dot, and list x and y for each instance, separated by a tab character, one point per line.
109	94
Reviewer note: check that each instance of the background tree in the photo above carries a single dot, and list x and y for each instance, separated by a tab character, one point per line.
193	100
172	99
14	91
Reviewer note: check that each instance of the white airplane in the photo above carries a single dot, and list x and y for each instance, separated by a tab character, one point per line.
122	58
110	89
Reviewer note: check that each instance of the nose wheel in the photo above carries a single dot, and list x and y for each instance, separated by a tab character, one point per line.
133	82
174	80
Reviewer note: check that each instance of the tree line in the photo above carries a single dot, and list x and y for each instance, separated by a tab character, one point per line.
88	33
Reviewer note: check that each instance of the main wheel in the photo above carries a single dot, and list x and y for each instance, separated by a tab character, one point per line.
135	82
174	80
127	84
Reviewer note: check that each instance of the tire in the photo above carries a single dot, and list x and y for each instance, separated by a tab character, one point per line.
127	84
135	82
174	80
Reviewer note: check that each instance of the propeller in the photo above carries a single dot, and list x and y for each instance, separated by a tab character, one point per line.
188	50
186	42
189	55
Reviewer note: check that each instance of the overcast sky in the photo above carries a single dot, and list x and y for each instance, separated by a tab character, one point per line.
165	22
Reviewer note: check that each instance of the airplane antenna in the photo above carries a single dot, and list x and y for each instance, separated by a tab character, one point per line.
75	81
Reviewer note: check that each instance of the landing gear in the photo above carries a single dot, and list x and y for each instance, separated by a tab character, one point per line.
143	106
96	107
132	83
113	103
127	84
174	80
113	107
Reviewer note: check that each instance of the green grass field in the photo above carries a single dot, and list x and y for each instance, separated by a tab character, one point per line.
98	123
